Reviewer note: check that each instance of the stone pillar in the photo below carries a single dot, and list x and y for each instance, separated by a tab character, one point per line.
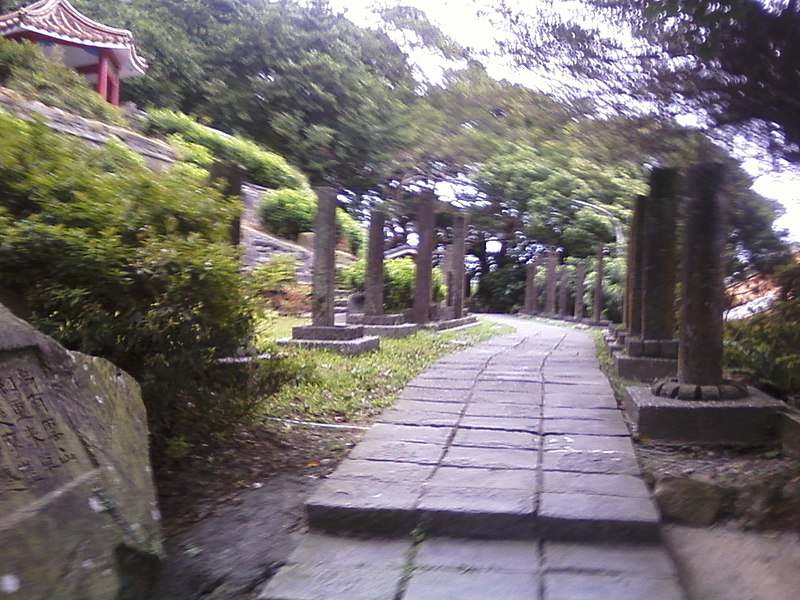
531	292
563	290
702	278
457	266
633	285
598	285
550	282
580	280
658	256
324	281
373	285
233	174
423	285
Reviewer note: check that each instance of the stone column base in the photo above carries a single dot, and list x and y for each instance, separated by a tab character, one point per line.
752	421
348	340
643	368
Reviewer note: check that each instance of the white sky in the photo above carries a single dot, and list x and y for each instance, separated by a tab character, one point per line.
457	19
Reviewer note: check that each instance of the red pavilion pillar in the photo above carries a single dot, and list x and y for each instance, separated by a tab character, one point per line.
102	75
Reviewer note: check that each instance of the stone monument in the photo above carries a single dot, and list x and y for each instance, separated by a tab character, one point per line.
78	511
598	287
531	290
563	292
373	319
423	283
650	348
580	282
323	332
699	406
457	266
550	283
233	175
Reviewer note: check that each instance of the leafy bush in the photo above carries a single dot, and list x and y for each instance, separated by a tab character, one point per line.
25	68
275	283
263	167
503	289
398	276
114	260
289	213
766	349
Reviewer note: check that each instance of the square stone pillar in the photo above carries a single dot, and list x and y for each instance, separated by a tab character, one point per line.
531	291
373	285
598	285
457	269
580	282
423	285
659	268
233	174
702	278
324	281
633	284
550	282
563	291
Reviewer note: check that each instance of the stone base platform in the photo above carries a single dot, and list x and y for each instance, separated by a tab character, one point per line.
751	421
451	323
391	331
383	320
643	368
348	339
388	326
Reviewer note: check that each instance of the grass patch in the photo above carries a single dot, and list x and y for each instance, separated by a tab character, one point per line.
355	389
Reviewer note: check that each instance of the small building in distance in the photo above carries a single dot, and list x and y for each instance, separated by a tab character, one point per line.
104	55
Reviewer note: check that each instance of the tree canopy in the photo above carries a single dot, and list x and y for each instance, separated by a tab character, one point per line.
734	62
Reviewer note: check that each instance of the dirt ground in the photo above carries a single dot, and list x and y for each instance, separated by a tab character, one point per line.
233	513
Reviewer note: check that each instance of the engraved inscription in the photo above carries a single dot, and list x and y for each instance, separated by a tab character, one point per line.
32	441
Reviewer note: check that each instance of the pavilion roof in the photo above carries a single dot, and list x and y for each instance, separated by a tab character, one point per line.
59	20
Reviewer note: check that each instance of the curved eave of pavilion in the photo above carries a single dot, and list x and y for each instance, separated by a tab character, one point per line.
130	63
59	21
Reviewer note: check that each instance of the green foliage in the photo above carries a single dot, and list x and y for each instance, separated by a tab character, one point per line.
275	275
288	213
765	349
117	261
398	282
26	69
263	167
502	289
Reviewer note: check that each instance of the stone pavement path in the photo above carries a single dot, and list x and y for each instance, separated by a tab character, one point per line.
504	471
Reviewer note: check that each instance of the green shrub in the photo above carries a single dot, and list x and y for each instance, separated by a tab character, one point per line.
766	349
350	230
288	213
130	265
275	275
26	69
398	276
263	167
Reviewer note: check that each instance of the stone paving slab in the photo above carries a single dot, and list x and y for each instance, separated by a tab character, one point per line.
524	438
470	585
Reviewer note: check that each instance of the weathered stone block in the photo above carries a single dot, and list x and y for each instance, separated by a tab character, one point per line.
78	512
634	346
688	500
337	333
641	368
362	319
790	434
